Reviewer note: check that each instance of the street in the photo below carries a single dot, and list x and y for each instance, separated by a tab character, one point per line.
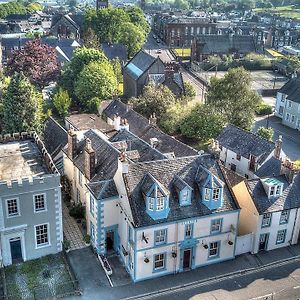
290	137
280	283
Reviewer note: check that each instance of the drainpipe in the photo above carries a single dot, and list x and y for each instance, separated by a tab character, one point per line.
176	248
296	216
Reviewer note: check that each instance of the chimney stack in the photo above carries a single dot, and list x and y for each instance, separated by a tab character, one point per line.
89	160
124	124
72	144
289	170
278	147
117	122
123	163
214	149
153	120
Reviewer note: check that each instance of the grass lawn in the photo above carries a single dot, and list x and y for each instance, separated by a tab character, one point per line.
289	11
41	278
185	52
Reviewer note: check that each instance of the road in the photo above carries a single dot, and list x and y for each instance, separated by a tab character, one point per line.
280	282
151	46
290	137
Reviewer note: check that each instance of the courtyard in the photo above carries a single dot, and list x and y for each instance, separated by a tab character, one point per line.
43	278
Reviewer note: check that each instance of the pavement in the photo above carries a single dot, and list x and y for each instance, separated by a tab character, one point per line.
290	136
234	276
72	232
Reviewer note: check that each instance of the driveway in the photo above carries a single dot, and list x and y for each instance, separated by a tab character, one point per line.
290	137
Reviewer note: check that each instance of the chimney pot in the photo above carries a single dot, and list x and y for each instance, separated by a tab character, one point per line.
89	160
72	144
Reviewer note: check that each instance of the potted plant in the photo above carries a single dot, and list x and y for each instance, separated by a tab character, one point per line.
174	254
87	239
67	245
146	260
230	242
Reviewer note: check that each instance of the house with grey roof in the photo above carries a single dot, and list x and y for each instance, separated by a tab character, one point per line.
229	44
269	206
160	213
288	104
245	152
30	200
144	68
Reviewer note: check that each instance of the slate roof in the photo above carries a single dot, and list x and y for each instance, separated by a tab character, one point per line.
289	199
292	90
271	167
140	126
224	43
166	172
139	64
115	51
245	143
76	20
88	121
133	143
55	137
103	189
106	157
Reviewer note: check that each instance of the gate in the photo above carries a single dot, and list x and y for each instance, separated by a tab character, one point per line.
244	244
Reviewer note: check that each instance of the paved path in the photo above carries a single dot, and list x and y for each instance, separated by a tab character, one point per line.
72	232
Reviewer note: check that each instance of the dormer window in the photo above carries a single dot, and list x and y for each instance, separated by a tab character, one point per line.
273	187
184	191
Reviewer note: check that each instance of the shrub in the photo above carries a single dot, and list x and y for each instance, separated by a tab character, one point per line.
266	133
87	238
264	109
77	211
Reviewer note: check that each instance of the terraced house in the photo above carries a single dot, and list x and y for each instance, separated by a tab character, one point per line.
161	213
288	104
30	200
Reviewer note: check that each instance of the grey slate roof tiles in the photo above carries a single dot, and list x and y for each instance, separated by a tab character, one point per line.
165	172
245	143
140	126
289	199
103	189
292	90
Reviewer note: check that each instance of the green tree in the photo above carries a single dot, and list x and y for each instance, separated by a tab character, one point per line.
266	133
153	100
137	17
82	57
190	91
96	80
132	37
62	102
116	64
91	39
203	123
173	118
22	106
232	97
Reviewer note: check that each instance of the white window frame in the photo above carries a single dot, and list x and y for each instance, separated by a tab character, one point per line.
18	207
48	234
215	247
268	217
45	203
282	235
185	196
150	203
289	103
216	194
160	203
188	231
284	217
160	236
207	193
278	190
161	258
216	225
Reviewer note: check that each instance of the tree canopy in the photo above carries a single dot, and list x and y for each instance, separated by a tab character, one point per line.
22	106
266	133
37	61
97	80
232	97
122	25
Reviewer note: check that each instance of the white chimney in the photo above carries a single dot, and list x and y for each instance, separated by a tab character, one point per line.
117	122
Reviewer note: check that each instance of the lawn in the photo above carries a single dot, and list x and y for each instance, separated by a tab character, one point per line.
42	278
284	11
182	52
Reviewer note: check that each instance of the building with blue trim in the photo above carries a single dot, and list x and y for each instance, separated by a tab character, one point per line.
161	214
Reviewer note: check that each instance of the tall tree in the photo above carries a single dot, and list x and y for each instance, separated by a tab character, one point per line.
232	96
91	39
37	61
203	123
97	80
154	100
22	106
62	102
